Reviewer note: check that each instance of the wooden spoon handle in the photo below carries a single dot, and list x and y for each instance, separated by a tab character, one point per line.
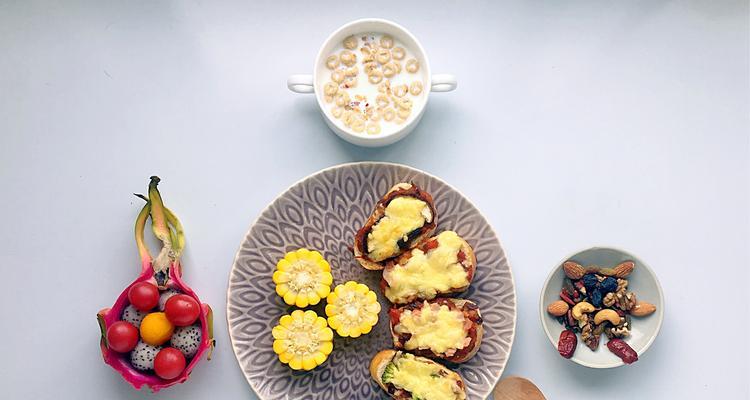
517	388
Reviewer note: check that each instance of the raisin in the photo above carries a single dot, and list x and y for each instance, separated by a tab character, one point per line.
590	281
622	350
566	346
609	285
596	298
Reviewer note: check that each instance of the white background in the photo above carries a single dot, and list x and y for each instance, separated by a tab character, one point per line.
574	124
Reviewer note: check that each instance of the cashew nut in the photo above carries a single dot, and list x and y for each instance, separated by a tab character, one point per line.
607	315
580	309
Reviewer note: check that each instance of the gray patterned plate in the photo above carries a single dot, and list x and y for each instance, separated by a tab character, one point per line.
323	212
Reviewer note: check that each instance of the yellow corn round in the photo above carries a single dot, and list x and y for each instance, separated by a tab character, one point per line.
302	340
302	278
352	309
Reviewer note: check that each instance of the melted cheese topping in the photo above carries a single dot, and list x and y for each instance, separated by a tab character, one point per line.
402	215
427	274
433	327
423	381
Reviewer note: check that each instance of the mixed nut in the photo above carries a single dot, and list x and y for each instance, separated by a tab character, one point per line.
596	300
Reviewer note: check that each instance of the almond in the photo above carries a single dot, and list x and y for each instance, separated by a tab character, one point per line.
642	309
573	270
624	269
558	308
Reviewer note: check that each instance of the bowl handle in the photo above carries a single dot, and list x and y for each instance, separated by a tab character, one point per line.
444	83
302	83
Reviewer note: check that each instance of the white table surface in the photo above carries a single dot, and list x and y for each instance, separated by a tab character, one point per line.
574	124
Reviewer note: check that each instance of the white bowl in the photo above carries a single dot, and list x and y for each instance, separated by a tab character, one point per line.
314	83
641	281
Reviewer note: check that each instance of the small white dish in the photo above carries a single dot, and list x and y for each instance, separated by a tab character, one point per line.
642	281
306	83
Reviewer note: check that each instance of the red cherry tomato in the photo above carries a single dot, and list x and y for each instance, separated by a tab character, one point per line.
182	310
169	363
122	336
144	296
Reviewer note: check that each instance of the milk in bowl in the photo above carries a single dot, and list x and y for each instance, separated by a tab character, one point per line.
372	84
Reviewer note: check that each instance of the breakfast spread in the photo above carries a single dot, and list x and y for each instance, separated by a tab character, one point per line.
596	300
157	329
446	328
406	376
375	85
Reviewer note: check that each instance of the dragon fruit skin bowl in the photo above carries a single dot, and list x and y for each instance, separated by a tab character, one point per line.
165	272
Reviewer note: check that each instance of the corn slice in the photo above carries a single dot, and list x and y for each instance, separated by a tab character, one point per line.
302	340
302	278
352	309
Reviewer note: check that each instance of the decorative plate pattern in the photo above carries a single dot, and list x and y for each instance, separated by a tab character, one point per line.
323	212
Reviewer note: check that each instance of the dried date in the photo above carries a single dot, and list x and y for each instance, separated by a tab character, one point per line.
620	349
566	346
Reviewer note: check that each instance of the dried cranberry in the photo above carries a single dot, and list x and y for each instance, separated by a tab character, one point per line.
566	346
567	298
622	350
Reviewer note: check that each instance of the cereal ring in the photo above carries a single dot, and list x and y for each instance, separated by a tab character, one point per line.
375	77
351	42
369	67
353	71
389	114
404	114
382	100
368	58
332	61
328	99
358	125
337	76
398	53
389	70
337	112
385	87
383	56
373	129
400	90
350	82
412	65
330	88
386	41
348	58
416	88
342	98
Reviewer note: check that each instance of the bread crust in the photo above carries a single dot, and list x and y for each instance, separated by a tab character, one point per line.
382	358
377	365
400	189
475	344
470	265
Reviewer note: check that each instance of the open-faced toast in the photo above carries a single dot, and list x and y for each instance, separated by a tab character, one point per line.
402	219
405	376
445	328
442	265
